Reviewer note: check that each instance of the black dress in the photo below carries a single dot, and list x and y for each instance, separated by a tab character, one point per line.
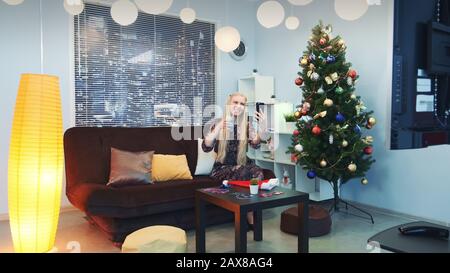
229	169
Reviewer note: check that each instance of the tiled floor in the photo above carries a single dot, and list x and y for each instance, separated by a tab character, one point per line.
349	234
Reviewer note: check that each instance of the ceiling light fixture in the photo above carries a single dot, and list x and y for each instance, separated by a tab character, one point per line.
270	14
187	15
154	6
74	7
351	10
124	12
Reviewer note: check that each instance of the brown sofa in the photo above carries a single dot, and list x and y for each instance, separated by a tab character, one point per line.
120	211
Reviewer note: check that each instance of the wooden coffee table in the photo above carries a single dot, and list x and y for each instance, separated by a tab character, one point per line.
236	202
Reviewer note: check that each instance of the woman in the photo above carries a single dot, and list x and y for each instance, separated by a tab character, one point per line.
229	137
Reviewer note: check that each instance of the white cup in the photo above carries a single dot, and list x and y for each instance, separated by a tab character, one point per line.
254	189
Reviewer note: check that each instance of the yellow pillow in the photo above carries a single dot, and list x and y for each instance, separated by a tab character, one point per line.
170	167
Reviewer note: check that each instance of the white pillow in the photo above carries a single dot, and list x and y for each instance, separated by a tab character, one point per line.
205	161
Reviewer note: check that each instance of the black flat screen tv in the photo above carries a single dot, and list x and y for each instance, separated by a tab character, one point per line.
438	49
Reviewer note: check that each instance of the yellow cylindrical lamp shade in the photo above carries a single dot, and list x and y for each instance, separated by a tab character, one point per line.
35	164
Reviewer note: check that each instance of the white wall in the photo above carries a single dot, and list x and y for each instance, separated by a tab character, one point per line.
20	53
414	182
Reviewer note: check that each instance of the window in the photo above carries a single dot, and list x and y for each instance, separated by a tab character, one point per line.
143	75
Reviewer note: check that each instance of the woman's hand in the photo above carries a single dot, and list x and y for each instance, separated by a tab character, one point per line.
214	133
262	131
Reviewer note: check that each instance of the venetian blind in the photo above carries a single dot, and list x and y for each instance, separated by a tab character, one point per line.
152	73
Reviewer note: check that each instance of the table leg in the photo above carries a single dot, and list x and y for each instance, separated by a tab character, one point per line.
257	223
240	231
303	229
200	225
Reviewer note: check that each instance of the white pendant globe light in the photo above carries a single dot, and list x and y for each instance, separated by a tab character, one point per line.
292	23
300	2
351	10
74	7
187	15
227	39
124	12
154	6
13	2
270	14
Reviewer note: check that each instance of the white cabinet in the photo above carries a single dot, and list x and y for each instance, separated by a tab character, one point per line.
257	88
260	89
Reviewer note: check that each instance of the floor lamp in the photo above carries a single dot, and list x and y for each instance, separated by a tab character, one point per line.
35	162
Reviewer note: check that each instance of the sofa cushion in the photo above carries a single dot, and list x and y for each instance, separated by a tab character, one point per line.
205	161
94	197
170	167
130	168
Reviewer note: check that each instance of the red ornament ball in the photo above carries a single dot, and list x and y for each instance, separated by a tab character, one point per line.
316	130
368	126
296	132
294	158
299	81
352	74
322	41
368	150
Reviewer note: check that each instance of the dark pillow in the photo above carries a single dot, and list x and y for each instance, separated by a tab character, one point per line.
130	168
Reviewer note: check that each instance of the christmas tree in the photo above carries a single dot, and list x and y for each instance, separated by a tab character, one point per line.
328	142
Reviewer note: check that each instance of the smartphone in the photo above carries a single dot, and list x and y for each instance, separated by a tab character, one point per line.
258	106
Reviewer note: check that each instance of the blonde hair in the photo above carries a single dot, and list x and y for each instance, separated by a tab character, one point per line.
242	132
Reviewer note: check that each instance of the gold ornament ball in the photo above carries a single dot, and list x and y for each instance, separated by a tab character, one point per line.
304	62
364	181
372	121
328	103
352	167
344	143
353	97
323	163
297	115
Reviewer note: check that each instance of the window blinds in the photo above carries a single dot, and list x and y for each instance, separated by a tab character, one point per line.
156	72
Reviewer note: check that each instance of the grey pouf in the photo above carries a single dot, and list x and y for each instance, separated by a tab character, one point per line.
319	221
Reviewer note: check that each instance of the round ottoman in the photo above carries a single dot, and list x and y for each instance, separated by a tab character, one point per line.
156	239
319	221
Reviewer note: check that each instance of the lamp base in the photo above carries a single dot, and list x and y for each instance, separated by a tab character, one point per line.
53	250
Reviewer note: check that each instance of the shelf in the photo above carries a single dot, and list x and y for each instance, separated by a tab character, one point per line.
285	162
253	103
284	133
264	159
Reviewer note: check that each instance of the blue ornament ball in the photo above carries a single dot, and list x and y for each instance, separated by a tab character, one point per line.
340	118
357	129
312	57
311	174
331	59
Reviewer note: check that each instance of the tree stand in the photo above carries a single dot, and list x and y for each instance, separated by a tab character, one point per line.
338	200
